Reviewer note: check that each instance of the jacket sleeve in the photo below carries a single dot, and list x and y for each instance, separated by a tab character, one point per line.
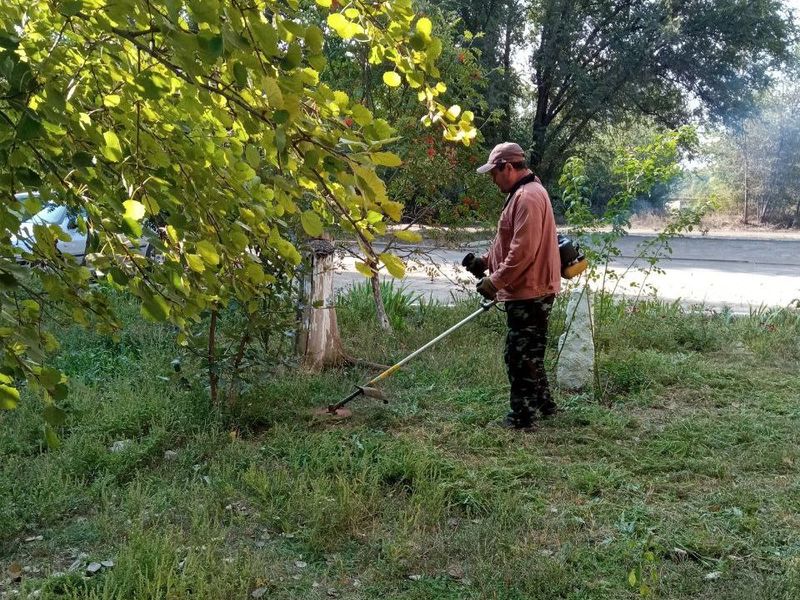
527	230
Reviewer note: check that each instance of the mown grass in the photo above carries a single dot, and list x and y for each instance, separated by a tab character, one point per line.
683	472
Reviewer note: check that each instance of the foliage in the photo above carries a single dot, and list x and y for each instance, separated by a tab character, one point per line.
497	32
456	194
754	165
598	62
207	119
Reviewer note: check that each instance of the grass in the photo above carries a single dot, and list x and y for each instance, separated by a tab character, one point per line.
682	475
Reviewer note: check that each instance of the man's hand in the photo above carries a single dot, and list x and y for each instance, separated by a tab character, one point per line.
486	289
475	265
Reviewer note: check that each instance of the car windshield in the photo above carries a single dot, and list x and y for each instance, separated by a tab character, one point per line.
51	214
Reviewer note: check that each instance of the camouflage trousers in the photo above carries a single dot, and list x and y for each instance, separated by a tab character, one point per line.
524	357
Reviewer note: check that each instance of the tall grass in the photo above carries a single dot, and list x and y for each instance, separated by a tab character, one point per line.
400	303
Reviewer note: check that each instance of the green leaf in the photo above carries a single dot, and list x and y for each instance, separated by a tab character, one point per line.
405	235
252	156
195	262
425	26
363	268
314	39
392	79
70	8
54	416
632	578
133	210
394	265
338	23
287	250
59	392
82	160
386	159
29	127
212	46
240	73
361	115
324	3
112	149
255	273
344	28
393	209
8	41
311	223
155	307
453	112
9	397
274	94
132	227
51	438
49	377
293	57
208	252
111	100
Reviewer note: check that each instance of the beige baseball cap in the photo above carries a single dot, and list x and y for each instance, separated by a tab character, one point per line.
503	153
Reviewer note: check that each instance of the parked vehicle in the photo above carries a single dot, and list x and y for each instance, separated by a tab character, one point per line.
66	219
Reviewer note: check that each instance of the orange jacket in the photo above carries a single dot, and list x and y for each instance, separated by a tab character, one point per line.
523	260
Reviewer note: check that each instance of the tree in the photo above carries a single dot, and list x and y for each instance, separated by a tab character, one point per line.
755	165
595	62
206	118
497	28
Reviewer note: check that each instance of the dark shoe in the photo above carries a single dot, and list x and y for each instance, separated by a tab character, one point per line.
549	412
513	424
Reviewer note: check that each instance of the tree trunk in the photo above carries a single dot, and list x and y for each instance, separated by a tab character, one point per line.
319	342
380	309
505	127
746	190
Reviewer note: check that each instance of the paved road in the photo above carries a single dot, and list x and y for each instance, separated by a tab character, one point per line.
738	272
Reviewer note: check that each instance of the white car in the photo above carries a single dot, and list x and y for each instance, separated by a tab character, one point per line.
67	219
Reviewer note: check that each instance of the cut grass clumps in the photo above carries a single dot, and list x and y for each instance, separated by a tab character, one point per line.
683	475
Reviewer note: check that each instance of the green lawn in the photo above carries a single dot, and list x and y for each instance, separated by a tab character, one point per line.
683	475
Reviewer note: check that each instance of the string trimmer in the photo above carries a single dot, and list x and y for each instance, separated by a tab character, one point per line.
339	409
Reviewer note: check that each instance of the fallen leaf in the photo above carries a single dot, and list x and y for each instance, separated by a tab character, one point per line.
415	577
258	592
34	538
455	571
15	571
107	563
300	564
93	568
713	575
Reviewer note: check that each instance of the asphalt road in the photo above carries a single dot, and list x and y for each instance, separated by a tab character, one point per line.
739	272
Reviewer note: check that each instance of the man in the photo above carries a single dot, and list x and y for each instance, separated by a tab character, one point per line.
525	273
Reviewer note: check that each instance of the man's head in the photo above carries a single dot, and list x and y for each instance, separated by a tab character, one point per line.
506	165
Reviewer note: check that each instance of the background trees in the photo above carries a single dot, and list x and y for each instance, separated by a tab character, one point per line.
596	63
754	167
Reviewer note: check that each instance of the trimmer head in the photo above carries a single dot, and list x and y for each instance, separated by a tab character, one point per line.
339	413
